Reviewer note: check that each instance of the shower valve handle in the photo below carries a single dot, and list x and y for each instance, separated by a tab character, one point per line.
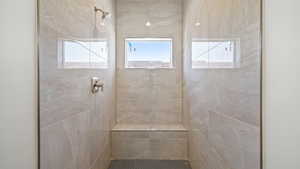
96	84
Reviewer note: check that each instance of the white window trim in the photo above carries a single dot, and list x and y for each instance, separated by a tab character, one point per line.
61	59
236	56
171	66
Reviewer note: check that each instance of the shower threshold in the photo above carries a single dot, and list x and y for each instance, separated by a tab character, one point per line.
149	164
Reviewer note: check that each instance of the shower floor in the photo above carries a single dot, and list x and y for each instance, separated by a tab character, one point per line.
149	164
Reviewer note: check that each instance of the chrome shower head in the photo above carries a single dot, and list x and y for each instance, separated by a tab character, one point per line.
104	13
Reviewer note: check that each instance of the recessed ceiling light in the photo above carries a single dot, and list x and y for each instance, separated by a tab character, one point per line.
148	23
197	24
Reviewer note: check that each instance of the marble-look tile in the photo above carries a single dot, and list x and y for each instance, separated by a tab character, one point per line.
168	145
149	96
227	143
85	142
170	149
149	127
103	160
75	124
236	142
76	129
56	149
131	127
223	105
147	101
130	148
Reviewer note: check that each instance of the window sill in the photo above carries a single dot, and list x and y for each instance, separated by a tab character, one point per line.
151	68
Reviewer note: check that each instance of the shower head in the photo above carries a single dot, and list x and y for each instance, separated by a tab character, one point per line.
104	13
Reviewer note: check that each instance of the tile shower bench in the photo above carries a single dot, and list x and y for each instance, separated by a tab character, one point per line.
163	142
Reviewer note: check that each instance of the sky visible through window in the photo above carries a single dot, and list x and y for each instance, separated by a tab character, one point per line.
149	50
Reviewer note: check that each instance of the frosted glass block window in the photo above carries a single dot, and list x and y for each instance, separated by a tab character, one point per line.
83	53
148	53
215	54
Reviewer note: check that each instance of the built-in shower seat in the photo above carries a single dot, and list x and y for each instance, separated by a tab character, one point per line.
145	141
149	127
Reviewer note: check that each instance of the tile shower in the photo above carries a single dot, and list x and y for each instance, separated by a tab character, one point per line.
203	112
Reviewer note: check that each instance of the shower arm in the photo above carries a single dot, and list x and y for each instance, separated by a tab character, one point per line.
98	10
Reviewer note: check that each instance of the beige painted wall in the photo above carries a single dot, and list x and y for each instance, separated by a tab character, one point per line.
281	84
17	85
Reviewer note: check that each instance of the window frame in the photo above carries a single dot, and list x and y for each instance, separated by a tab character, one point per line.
236	54
61	55
159	39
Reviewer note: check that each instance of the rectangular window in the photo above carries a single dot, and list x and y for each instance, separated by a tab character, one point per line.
148	53
83	53
215	54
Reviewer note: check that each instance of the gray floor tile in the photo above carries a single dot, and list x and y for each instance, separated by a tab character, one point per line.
122	164
149	164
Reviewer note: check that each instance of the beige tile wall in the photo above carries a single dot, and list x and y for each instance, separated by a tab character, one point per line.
149	99
223	105
149	96
75	124
162	145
